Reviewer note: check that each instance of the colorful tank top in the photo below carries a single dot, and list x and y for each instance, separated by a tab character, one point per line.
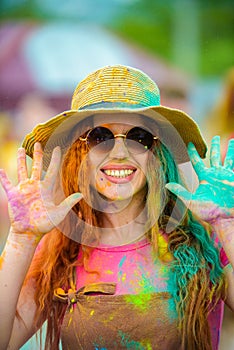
125	301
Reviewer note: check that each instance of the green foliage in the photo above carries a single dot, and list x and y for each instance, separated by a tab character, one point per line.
217	41
153	25
21	10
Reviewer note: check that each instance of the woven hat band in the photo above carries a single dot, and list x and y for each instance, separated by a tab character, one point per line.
116	84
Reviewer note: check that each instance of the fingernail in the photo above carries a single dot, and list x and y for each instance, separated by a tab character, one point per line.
37	145
78	195
190	144
57	148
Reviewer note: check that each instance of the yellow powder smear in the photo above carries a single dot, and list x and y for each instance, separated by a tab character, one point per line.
2	259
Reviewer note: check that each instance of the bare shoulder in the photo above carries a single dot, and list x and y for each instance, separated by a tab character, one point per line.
24	326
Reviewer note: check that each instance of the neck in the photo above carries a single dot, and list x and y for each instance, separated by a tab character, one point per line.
124	222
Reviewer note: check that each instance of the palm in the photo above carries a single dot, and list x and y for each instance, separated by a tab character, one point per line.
31	205
26	202
214	196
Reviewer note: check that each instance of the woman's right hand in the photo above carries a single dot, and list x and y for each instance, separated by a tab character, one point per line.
31	206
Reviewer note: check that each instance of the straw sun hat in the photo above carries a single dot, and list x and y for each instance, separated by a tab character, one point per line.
115	90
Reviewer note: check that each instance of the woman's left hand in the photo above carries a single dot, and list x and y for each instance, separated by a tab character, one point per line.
214	197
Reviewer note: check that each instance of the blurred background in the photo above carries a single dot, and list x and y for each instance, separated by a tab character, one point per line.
48	46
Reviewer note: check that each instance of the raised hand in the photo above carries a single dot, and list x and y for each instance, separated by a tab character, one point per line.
214	197
31	206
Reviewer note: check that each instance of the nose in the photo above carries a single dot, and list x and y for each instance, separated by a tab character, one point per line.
119	150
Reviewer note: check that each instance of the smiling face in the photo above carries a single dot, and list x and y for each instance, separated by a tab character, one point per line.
118	174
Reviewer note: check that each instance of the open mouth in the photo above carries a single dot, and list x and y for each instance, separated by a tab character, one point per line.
122	173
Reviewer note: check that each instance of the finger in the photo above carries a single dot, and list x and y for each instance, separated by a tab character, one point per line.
215	157
21	165
179	191
69	202
6	183
58	213
229	159
37	162
196	161
53	168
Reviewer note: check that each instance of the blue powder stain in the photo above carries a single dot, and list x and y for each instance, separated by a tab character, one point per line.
130	344
122	261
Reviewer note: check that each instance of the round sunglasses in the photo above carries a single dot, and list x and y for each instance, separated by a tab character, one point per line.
137	140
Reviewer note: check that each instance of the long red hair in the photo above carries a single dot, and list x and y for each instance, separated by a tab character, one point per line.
54	261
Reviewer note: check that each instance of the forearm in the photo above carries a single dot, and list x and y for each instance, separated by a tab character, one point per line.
224	228
15	261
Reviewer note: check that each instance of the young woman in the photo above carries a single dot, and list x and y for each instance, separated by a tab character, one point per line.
106	244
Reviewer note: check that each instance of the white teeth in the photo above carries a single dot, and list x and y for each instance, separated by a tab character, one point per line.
118	173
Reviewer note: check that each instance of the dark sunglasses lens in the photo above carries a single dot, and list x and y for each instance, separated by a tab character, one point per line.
101	138
139	140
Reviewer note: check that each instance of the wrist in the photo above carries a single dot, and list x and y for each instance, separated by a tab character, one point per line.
26	238
224	228
221	221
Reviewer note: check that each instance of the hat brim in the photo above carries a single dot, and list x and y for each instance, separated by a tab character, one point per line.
176	130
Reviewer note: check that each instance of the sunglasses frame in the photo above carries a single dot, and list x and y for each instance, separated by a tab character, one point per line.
123	136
